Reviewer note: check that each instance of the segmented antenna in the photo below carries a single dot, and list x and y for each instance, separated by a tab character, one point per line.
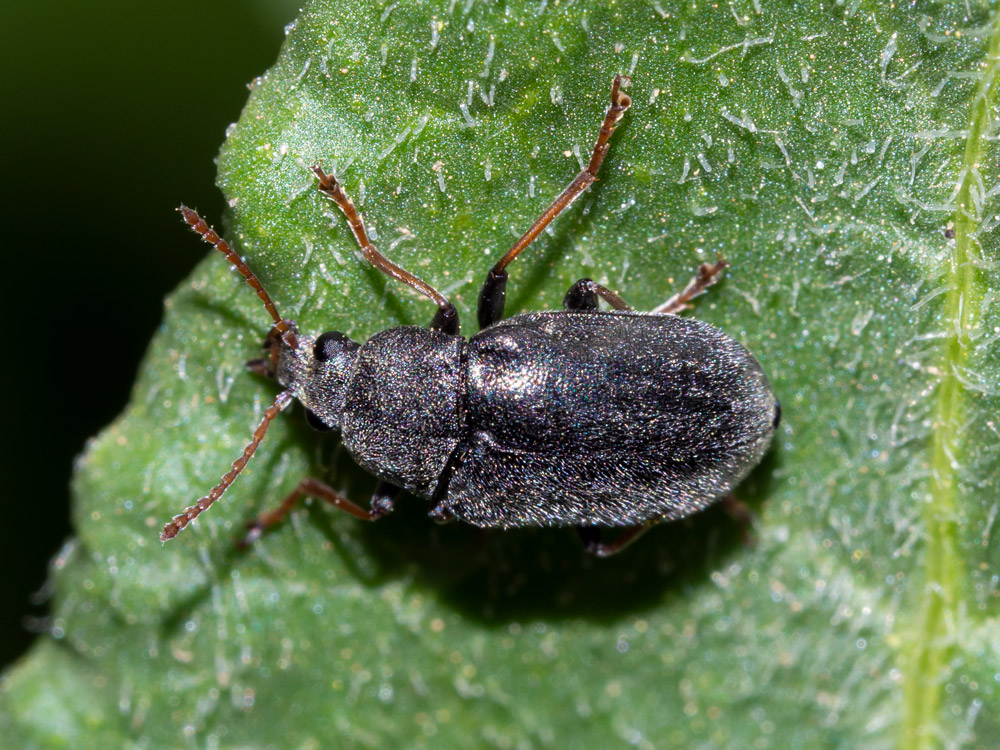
178	522
209	235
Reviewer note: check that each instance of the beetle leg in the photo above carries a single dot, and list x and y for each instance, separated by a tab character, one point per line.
592	536
582	297
381	504
493	294
741	513
706	276
446	318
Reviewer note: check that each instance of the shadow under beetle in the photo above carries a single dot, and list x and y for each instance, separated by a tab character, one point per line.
580	418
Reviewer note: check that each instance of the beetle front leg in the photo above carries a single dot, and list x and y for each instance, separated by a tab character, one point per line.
381	504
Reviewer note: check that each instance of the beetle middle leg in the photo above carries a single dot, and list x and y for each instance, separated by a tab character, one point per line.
493	295
446	317
381	504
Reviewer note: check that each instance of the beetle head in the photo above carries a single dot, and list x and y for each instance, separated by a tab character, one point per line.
315	370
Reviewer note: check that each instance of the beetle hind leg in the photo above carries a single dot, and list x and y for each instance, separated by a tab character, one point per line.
708	274
592	538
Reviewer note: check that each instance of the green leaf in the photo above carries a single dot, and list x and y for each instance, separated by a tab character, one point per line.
843	157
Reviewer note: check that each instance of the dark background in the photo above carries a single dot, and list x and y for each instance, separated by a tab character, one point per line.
111	114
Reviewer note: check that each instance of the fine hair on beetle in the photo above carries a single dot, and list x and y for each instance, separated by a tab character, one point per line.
582	417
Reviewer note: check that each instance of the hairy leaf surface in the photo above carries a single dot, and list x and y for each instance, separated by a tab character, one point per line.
841	156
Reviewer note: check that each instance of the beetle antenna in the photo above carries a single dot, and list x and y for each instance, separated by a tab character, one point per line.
209	235
178	522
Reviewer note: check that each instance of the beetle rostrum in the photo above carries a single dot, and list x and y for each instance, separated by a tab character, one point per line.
582	417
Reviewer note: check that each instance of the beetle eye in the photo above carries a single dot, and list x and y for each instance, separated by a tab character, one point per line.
777	415
331	344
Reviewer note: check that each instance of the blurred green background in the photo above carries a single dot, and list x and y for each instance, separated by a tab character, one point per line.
113	113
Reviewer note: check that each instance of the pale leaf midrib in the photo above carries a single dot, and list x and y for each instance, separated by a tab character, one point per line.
930	647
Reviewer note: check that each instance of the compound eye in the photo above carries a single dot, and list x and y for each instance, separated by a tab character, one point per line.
330	344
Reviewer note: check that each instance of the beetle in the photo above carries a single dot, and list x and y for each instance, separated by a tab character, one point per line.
583	417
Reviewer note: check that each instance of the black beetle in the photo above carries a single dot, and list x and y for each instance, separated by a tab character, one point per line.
578	418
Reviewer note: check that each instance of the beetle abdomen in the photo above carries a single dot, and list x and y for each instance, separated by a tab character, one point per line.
606	419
